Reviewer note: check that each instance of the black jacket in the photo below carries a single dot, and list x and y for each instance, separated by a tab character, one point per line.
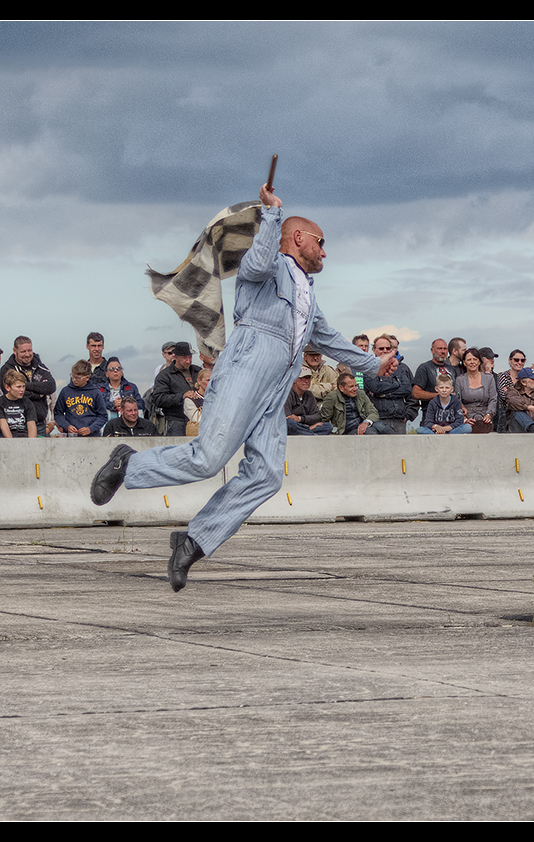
40	383
98	375
169	388
117	427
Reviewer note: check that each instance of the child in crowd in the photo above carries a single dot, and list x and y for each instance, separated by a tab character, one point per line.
444	413
18	418
80	409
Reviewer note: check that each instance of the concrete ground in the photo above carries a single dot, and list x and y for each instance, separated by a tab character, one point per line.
328	672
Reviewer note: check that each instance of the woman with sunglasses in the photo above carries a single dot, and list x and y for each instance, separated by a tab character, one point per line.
507	379
117	387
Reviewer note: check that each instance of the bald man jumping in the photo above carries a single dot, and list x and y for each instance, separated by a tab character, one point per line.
275	316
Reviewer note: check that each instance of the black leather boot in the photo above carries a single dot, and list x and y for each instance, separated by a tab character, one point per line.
185	551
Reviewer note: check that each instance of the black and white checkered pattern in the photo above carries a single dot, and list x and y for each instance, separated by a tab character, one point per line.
194	289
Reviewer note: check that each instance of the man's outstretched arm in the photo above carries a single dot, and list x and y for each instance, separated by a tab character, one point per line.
259	263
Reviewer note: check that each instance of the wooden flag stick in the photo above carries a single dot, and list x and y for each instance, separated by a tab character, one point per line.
271	173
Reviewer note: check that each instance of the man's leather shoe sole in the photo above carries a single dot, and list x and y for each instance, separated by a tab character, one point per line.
111	476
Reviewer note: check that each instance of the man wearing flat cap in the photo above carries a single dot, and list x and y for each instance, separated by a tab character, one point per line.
323	376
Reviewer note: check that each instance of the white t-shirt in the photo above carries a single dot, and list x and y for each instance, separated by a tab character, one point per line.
303	304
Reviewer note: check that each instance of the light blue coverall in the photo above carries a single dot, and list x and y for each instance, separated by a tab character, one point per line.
244	402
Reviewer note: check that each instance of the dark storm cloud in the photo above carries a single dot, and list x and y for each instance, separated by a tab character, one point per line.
359	112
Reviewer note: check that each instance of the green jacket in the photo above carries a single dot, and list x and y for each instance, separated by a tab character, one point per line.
334	409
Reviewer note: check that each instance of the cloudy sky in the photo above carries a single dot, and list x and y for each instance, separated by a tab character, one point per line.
410	143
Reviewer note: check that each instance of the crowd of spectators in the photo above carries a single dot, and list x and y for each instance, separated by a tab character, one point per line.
456	391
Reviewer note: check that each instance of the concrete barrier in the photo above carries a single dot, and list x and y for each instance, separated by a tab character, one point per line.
405	477
45	482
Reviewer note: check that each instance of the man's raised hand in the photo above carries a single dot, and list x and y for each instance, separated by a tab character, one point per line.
388	364
268	198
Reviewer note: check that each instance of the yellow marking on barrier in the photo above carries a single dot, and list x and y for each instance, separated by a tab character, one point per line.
37	470
285	468
40	502
403	466
289	500
521	495
166	500
517	465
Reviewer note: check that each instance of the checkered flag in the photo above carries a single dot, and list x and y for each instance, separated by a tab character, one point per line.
194	289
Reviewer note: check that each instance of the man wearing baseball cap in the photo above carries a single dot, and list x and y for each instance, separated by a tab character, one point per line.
303	415
488	357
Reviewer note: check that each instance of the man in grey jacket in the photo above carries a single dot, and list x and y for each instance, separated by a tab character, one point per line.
275	316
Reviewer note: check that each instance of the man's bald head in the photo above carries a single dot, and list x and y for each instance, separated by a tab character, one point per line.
303	239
